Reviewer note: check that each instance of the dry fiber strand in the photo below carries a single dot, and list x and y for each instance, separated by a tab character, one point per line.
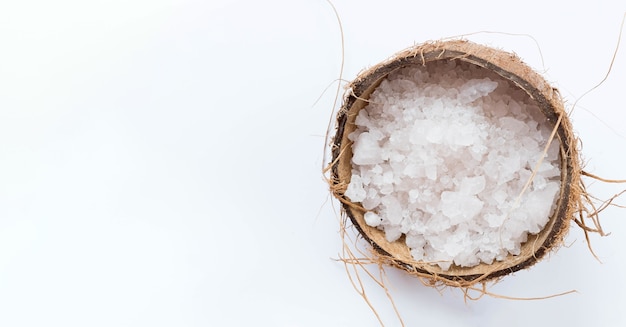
508	66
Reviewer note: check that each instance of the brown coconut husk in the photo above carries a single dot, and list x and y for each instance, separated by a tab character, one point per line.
509	67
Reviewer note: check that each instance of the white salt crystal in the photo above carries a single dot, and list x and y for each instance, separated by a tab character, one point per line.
459	207
362	118
393	209
366	150
388	177
392	233
372	200
453	248
513	125
386	189
377	169
472	185
442	152
451	206
417	253
355	190
415	241
553	151
372	219
494	220
435	134
475	88
413	170
431	172
418	132
539	183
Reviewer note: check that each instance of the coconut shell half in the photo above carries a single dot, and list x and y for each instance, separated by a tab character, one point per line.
509	67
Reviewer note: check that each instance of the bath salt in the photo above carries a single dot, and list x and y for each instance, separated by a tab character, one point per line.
441	154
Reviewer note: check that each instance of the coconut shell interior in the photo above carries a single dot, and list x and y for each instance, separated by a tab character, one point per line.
509	67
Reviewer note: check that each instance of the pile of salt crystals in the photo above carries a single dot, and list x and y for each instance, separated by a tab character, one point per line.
441	154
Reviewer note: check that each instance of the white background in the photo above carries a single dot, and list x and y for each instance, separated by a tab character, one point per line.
160	161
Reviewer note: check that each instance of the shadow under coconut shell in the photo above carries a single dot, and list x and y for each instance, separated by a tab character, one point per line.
509	67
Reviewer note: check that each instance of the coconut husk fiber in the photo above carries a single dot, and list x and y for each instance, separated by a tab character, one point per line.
509	67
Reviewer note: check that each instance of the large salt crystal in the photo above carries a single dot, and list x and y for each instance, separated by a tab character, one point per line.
435	134
355	190
392	233
372	219
431	172
393	209
441	153
472	185
362	118
366	150
494	220
513	125
371	200
415	240
476	88
451	205
418	132
459	207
